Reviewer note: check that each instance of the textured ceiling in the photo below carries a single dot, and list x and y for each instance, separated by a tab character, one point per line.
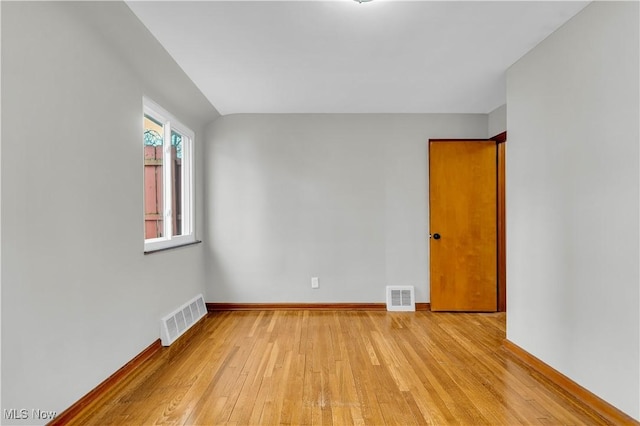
344	57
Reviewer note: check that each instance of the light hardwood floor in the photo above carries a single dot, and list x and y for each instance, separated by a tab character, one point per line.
339	368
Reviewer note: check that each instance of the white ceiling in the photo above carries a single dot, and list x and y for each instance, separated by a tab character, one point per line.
387	56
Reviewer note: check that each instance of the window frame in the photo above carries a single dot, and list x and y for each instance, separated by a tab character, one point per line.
169	122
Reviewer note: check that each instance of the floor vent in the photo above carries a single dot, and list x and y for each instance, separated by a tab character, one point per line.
176	323
401	298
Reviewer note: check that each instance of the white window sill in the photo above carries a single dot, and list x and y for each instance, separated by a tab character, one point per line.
177	245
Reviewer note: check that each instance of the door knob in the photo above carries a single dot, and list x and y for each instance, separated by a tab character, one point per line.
436	236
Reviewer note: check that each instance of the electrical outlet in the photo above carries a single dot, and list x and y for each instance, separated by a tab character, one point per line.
314	282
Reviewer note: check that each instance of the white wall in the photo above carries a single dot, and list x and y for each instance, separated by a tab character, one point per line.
340	197
79	298
497	121
572	202
0	200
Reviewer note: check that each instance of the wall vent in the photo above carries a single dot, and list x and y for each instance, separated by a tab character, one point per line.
176	323
401	298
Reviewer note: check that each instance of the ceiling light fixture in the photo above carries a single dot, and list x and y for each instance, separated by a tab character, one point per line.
362	1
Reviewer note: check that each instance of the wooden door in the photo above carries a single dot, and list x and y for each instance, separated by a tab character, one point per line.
463	244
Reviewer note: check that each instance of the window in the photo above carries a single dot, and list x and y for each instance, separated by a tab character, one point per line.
168	180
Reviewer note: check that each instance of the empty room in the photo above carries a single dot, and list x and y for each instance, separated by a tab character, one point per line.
376	212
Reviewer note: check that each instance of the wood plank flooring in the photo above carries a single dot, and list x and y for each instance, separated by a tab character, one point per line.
339	368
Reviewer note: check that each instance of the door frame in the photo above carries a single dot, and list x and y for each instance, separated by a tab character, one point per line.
501	140
501	266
